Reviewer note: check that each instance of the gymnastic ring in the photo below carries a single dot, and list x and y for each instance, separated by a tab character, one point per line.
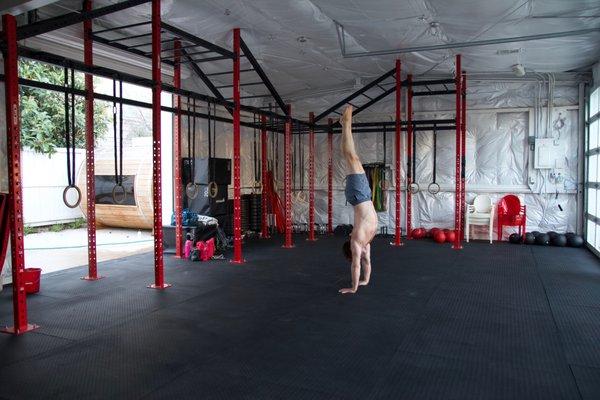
414	188
433	185
213	189
191	194
123	197
77	190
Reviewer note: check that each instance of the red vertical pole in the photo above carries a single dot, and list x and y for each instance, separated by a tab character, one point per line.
159	276
409	144
397	239
330	176
265	197
237	214
311	178
287	148
13	133
463	119
88	58
458	163
178	186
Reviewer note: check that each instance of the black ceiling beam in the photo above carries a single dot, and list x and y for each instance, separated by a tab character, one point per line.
123	47
263	76
207	59
195	39
360	91
72	18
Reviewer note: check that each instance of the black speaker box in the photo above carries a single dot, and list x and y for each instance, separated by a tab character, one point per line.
207	170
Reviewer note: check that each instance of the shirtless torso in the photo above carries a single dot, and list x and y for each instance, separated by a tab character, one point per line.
365	218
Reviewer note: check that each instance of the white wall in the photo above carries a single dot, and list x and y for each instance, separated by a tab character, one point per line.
44	179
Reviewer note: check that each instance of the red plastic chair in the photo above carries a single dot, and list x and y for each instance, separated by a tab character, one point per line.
511	213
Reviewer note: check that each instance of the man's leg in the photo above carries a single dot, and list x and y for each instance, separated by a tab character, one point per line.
348	150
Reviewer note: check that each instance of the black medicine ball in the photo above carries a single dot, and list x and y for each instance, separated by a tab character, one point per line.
575	241
529	238
536	233
559	240
552	234
542	239
515	238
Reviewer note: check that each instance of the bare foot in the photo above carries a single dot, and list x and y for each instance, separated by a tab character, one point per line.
346	118
363	283
347	290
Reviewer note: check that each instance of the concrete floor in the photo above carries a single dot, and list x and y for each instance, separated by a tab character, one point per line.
56	251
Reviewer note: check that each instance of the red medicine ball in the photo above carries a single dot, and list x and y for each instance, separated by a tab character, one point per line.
433	231
439	236
450	236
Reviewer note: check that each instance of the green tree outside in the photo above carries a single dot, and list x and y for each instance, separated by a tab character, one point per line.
43	111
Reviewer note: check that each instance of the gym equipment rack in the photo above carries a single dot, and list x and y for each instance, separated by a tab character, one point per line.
173	47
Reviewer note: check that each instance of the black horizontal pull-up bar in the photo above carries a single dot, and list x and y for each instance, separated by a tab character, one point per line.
203	60
404	129
433	93
125	38
229	72
116	28
241	84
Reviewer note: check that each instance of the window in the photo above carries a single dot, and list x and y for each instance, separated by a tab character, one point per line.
592	181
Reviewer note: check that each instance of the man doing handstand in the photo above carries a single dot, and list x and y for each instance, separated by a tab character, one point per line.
358	248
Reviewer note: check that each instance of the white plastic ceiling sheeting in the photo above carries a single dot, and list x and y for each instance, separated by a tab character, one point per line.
273	30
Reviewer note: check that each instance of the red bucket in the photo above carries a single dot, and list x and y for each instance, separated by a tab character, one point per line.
31	279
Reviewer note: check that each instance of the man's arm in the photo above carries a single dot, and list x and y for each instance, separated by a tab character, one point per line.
354	268
366	264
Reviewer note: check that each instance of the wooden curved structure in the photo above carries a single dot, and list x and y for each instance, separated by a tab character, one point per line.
124	216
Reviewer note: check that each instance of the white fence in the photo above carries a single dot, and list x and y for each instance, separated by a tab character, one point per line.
44	179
